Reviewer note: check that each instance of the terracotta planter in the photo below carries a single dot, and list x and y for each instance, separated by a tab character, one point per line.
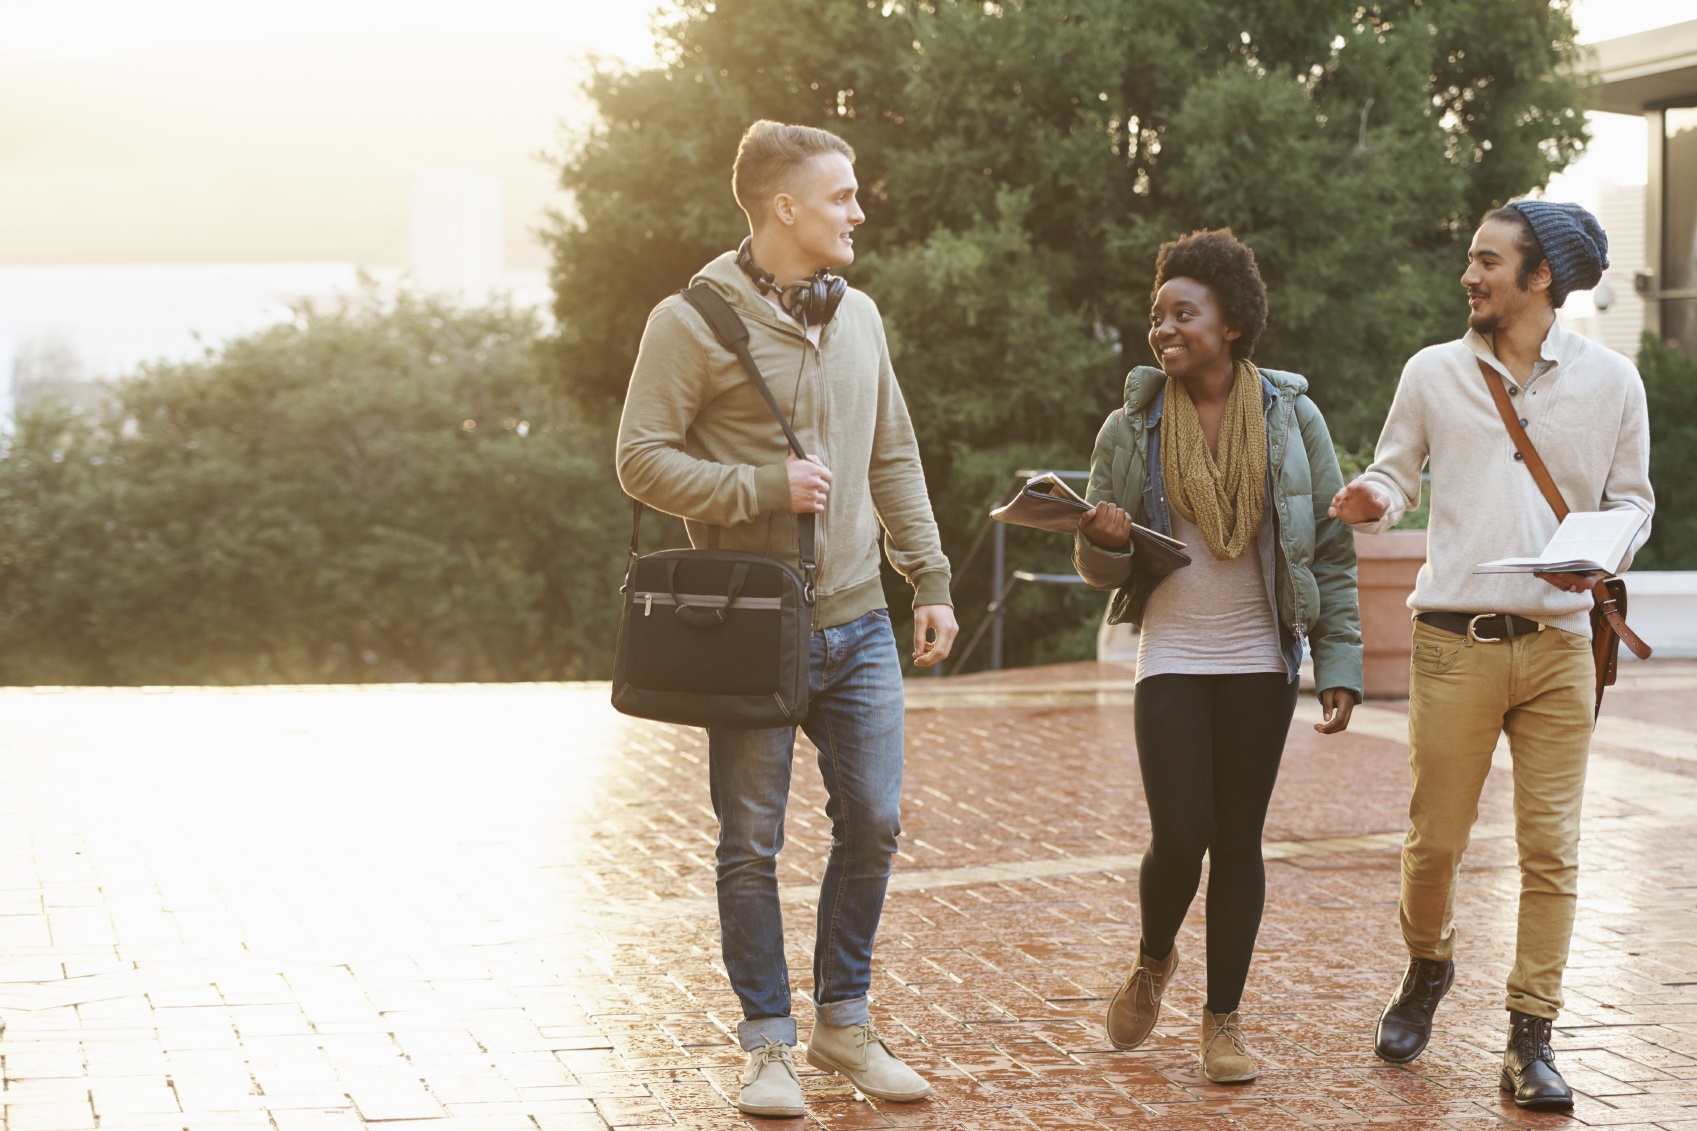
1386	565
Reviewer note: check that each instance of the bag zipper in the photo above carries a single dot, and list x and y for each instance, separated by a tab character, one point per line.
703	601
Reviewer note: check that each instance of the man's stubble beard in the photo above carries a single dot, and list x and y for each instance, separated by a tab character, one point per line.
1485	324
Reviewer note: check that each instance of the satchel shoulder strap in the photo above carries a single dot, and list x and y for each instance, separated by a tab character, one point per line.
732	333
1522	442
1608	601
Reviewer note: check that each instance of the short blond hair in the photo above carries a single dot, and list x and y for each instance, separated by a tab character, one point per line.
770	150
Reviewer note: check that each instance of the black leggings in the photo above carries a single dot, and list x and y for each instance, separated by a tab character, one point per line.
1209	748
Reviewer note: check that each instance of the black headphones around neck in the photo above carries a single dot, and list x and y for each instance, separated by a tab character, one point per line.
812	300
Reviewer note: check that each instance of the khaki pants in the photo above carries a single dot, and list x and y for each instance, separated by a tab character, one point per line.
1463	694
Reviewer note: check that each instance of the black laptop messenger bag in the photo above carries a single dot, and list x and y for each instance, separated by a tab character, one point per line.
717	638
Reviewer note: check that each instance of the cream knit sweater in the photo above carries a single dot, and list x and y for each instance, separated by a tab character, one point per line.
1587	418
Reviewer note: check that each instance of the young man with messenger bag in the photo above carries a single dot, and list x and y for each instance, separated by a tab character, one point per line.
1505	652
700	440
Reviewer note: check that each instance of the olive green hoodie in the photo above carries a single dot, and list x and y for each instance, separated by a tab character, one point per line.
696	440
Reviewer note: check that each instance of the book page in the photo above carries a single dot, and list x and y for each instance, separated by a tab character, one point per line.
1053	484
1586	540
1594	536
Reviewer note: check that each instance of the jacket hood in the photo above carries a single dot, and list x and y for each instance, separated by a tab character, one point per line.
1144	383
724	276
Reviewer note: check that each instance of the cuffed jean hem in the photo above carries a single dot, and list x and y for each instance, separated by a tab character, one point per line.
754	1033
1522	1003
842	1014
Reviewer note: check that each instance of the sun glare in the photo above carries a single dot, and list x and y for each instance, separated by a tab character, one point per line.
44	30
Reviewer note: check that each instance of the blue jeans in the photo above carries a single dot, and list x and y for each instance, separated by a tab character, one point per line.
854	717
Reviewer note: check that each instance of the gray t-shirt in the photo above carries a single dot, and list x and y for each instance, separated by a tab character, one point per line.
1212	617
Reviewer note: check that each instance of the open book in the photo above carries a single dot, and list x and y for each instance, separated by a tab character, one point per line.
1047	503
1585	541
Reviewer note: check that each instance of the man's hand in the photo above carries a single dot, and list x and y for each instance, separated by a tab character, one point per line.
1357	502
1572	582
1336	703
1107	525
938	623
810	482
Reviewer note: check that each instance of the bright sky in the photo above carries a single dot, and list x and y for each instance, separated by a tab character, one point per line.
226	130
92	29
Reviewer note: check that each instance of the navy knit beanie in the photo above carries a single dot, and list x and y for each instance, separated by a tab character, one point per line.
1574	243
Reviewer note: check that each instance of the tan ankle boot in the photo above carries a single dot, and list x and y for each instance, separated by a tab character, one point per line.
1225	1051
858	1052
1136	1005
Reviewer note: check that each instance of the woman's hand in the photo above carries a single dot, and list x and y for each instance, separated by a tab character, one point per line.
1107	526
1337	703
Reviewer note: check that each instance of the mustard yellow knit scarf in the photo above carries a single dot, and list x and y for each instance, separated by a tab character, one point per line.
1224	494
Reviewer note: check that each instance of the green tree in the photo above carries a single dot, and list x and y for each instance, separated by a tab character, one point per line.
1021	162
388	491
1670	387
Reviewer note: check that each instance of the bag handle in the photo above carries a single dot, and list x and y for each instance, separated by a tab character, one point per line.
1604	599
732	333
705	616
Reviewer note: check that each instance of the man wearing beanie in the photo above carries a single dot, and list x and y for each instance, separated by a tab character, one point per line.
1497	653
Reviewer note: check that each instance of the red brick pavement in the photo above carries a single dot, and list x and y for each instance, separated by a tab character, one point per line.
491	908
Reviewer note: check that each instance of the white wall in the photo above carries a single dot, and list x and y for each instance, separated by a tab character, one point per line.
456	231
116	317
1661	607
1620	208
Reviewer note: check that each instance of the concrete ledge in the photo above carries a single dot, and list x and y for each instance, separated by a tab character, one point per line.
1661	606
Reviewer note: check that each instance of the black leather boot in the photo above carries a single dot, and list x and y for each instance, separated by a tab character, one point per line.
1406	1024
1529	1065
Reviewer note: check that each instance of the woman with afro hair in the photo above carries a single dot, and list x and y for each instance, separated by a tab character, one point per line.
1234	461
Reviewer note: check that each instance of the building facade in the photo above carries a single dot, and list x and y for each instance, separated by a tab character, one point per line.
1654	73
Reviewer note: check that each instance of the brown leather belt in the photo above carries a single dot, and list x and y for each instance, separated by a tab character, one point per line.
1483	627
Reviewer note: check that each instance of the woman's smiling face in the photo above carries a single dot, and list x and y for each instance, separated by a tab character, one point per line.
1187	331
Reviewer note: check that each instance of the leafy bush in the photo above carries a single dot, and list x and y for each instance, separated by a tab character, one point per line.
1670	385
387	491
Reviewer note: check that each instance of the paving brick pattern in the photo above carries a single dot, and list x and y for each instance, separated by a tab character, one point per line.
475	909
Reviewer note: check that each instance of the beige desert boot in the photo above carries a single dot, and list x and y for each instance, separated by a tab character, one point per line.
858	1052
1225	1051
1137	1003
769	1083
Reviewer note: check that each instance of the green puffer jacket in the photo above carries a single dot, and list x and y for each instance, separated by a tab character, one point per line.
1314	564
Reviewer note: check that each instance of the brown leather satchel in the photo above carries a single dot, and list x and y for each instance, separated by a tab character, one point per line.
1608	594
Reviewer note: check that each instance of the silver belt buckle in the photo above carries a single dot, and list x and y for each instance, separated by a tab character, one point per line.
1473	634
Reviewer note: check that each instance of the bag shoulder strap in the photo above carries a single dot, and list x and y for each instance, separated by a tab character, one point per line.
1522	442
732	333
1607	601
